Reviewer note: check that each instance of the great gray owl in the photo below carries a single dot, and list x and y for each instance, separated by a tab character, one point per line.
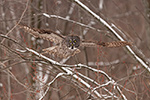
67	45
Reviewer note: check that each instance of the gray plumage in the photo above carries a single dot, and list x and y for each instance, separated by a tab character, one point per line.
68	45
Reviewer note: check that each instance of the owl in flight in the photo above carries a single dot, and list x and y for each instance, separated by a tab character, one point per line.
67	45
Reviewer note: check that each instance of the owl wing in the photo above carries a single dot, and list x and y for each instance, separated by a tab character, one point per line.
61	51
104	44
44	34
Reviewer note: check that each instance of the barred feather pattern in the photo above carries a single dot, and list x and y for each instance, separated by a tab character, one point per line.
44	34
62	49
114	44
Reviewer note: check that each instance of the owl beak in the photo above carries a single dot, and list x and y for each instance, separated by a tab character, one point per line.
71	46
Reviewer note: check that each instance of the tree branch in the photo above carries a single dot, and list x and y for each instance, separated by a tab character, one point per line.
107	25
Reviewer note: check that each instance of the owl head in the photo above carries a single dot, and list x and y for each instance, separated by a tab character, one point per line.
72	41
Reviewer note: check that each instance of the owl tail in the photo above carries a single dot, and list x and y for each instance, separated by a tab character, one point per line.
114	44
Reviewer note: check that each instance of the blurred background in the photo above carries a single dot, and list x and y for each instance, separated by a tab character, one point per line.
130	19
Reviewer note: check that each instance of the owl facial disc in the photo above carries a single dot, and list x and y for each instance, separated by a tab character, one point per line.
72	41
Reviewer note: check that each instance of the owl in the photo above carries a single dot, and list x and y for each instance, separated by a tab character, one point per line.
66	46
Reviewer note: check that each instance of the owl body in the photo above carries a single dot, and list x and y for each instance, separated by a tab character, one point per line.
67	45
61	51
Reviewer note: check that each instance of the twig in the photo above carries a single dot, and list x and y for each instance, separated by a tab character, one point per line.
139	59
75	22
58	75
18	21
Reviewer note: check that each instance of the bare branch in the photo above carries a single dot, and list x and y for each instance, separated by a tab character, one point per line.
106	24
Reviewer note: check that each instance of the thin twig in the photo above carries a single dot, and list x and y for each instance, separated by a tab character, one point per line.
18	21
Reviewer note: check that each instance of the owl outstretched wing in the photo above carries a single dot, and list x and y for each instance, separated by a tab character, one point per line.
44	34
104	44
